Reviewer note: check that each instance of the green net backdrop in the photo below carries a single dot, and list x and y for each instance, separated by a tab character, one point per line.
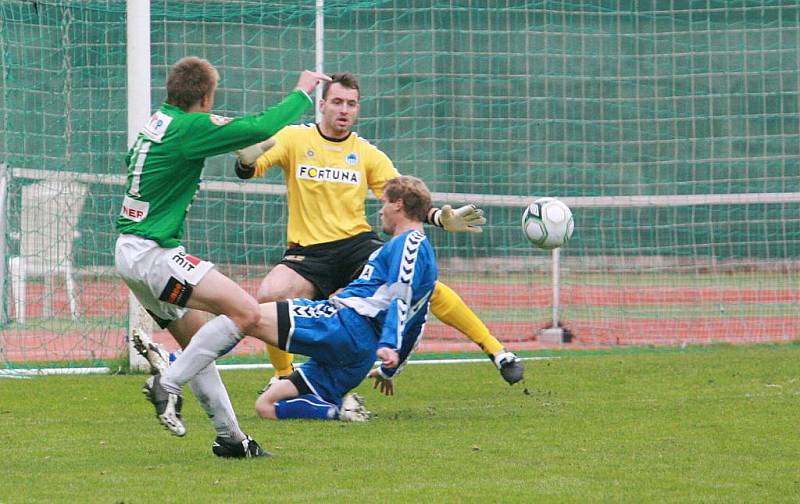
513	99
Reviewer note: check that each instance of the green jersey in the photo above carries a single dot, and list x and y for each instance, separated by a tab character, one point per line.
166	162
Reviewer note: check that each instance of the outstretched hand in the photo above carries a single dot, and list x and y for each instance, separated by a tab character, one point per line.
386	384
468	218
248	155
309	80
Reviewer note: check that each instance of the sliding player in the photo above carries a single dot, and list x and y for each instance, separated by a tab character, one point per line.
328	170
382	313
164	168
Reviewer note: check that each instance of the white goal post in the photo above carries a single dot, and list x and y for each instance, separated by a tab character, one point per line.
139	110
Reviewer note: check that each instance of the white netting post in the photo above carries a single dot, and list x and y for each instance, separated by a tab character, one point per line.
554	333
556	285
319	52
138	52
3	253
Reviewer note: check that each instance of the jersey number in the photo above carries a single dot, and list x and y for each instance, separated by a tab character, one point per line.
137	165
366	273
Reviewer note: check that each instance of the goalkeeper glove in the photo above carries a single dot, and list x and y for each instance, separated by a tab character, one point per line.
468	218
246	158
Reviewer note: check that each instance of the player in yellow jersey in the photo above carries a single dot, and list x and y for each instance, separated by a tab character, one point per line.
328	169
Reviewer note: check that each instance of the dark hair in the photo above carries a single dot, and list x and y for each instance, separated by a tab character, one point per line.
344	79
189	80
414	193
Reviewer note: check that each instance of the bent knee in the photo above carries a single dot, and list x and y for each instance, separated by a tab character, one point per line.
247	316
249	321
266	410
266	293
284	283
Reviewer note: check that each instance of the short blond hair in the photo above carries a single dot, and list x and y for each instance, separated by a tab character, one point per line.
189	80
414	193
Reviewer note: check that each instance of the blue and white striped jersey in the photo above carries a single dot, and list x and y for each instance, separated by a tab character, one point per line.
394	290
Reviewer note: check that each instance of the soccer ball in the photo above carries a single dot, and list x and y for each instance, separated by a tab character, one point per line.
547	223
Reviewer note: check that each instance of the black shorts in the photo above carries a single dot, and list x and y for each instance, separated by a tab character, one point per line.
332	265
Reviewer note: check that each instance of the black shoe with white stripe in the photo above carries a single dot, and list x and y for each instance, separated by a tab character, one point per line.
247	448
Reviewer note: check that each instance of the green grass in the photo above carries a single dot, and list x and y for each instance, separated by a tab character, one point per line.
710	424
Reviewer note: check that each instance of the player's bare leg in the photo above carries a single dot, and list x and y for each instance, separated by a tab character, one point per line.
237	313
265	404
282	400
214	339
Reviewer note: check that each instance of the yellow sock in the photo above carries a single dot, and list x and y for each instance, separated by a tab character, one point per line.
448	307
281	361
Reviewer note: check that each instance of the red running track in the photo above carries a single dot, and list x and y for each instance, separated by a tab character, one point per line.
109	299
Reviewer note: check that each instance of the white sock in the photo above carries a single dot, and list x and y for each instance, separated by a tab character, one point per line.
214	339
210	391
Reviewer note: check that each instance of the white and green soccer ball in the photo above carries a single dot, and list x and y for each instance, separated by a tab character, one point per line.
547	223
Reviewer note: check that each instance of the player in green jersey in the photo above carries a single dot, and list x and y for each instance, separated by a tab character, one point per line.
164	169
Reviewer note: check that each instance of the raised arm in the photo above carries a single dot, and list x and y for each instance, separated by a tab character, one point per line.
466	219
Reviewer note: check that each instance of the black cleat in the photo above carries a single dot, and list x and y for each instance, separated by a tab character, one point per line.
168	406
247	448
510	366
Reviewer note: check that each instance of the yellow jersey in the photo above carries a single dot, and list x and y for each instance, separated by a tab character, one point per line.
326	182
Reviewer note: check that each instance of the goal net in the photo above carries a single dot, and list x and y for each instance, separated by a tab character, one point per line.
670	129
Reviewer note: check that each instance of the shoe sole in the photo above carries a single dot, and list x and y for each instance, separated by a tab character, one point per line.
513	373
145	347
166	418
176	429
138	344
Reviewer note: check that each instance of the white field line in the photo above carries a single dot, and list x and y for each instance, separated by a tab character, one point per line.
27	373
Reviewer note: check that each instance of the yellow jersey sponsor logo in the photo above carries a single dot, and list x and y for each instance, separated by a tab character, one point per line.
326	174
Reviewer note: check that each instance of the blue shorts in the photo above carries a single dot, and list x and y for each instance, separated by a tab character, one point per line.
341	345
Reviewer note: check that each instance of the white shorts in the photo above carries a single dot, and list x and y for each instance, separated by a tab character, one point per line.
161	279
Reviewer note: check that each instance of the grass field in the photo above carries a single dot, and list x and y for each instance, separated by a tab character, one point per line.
711	424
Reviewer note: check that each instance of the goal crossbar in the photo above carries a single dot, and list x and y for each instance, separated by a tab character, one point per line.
493	200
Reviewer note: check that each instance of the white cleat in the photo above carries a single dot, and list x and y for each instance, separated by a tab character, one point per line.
155	354
168	406
353	409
